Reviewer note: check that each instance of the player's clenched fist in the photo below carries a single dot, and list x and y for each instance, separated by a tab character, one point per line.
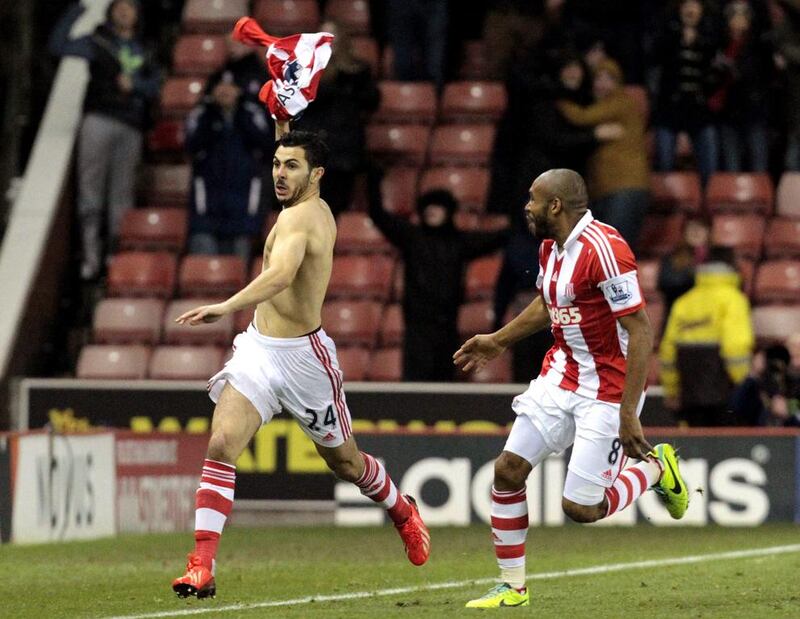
477	351
204	313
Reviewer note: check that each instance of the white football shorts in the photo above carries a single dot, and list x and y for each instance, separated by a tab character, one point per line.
300	375
564	418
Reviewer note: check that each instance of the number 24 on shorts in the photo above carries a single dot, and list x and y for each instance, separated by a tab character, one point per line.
329	419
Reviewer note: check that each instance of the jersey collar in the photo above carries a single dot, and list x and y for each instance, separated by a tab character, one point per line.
578	229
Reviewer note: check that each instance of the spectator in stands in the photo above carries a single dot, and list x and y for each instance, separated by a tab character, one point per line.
707	344
762	398
618	176
435	255
786	40
676	275
347	95
418	36
745	68
243	67
684	53
228	136
123	83
533	138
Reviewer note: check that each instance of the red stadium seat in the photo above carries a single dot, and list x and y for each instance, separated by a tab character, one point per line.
213	16
648	276
217	276
740	192
789	195
185	362
744	233
398	282
179	95
655	312
357	234
406	102
366	49
198	54
473	101
496	371
166	138
218	333
639	96
154	229
676	191
469	185
256	266
398	144
127	321
399	190
747	271
353	362
352	14
386	365
352	323
393	327
660	234
476	317
361	277
474	64
113	362
778	281
142	274
287	17
166	185
462	145
772	323
242	320
783	238
482	276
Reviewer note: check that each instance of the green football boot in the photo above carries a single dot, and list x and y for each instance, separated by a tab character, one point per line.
671	488
500	596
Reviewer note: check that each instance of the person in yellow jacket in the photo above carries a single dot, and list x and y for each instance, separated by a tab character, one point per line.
708	343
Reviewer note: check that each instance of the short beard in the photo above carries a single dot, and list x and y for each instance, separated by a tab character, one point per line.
295	197
540	229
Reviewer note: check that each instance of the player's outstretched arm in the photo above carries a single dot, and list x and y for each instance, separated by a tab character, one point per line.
285	259
640	344
480	349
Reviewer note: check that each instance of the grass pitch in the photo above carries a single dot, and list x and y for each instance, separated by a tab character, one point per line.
130	575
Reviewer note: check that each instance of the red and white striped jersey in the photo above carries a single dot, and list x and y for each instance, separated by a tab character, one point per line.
586	286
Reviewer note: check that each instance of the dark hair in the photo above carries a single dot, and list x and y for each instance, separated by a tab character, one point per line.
314	146
721	253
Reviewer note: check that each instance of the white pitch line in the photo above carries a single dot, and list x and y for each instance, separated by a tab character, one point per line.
583	571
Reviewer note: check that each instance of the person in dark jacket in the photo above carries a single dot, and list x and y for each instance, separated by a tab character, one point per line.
684	52
123	84
347	95
228	136
435	254
746	68
243	67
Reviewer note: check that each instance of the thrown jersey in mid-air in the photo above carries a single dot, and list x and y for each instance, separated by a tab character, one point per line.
586	286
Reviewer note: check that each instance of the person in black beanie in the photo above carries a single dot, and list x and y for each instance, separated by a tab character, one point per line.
436	255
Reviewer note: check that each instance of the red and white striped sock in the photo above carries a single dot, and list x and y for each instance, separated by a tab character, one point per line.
509	530
376	484
631	483
213	503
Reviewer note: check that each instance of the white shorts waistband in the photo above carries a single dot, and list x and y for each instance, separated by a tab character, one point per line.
304	341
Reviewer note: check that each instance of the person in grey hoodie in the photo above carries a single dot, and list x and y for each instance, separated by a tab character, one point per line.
123	83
